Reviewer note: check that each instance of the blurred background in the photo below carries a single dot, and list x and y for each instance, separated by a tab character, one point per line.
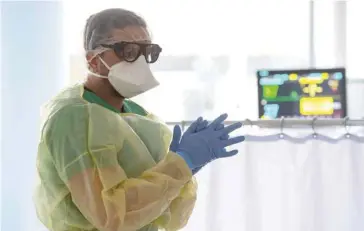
208	45
211	51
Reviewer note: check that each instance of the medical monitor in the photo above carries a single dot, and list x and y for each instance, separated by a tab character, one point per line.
302	93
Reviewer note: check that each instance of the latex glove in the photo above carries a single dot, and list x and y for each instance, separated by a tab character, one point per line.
196	170
196	126
202	147
225	137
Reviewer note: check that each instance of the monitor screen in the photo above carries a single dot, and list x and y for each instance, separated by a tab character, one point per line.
302	93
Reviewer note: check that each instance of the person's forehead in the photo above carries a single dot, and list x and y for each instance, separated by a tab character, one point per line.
131	34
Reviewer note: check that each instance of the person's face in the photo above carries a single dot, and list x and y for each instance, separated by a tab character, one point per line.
128	34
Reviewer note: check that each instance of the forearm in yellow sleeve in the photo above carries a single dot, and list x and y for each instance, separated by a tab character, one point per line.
113	202
180	209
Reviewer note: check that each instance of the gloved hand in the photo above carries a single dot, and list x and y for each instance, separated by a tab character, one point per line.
225	137
196	126
202	147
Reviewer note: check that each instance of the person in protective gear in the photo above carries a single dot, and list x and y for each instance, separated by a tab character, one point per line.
105	163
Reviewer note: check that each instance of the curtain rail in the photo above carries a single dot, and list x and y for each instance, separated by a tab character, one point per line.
291	123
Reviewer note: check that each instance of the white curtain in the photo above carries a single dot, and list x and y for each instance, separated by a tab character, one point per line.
299	182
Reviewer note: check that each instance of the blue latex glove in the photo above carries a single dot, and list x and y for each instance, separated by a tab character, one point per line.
225	137
202	147
196	126
196	170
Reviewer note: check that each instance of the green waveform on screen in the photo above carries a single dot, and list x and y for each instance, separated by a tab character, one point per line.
293	97
282	99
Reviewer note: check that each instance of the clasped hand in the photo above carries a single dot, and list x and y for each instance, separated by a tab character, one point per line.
203	142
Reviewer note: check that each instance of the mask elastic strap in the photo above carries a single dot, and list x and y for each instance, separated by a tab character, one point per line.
103	62
98	75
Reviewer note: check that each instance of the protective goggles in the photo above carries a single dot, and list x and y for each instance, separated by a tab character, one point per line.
130	51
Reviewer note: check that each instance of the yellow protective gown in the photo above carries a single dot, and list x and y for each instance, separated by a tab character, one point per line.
104	171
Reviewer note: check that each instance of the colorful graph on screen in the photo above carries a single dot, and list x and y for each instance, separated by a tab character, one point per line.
302	93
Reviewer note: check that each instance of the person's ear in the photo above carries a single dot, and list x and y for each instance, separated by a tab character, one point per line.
92	63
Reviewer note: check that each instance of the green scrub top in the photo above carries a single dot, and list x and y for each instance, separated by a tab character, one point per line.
128	105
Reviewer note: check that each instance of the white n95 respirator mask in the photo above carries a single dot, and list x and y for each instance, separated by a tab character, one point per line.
130	78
